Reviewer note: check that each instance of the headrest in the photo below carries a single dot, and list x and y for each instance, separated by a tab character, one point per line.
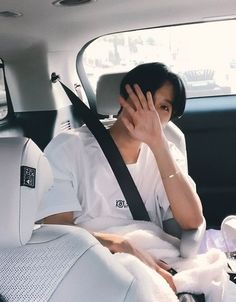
25	175
108	91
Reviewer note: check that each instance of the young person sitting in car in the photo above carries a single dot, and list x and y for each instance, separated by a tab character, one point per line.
86	192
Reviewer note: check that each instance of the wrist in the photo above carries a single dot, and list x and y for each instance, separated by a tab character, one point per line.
102	238
171	175
115	243
158	144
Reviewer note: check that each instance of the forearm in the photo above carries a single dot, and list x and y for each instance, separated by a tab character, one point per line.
184	201
61	218
115	243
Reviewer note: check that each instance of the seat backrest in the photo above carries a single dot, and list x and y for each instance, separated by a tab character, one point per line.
108	90
22	187
107	94
50	262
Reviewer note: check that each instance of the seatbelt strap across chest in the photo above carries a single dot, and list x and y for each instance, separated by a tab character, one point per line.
110	150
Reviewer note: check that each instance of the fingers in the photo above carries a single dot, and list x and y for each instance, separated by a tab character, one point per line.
163	265
141	96
128	124
124	104
150	102
137	97
168	277
133	97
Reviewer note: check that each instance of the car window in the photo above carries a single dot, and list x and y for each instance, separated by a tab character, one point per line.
3	100
203	54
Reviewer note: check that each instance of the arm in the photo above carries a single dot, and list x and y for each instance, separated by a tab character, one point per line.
118	244
184	201
143	123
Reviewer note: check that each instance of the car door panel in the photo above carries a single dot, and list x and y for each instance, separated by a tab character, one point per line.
209	125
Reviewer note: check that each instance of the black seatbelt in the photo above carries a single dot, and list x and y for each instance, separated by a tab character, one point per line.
112	154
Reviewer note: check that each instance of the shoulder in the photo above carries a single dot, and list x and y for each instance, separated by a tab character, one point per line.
71	139
176	152
179	157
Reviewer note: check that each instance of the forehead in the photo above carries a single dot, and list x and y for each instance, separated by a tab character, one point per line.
165	92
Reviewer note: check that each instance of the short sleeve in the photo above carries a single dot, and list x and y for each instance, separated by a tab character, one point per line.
62	197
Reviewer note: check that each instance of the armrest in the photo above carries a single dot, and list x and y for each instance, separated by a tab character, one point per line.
190	241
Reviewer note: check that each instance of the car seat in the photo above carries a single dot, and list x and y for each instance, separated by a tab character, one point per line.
49	262
107	93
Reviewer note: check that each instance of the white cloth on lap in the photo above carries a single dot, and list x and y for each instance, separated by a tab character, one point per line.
205	273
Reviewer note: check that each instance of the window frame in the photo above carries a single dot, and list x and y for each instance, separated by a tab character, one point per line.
9	106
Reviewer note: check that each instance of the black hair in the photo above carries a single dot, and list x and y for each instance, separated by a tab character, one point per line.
152	76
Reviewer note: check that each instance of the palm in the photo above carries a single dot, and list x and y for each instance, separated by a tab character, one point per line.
140	116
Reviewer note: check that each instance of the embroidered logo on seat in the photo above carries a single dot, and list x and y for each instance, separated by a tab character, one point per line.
121	204
27	176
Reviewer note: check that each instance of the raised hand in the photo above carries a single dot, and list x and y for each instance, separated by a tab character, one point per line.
140	116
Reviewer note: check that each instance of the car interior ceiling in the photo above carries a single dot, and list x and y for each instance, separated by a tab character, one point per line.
210	132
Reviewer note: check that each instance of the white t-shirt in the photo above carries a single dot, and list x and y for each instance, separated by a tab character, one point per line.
85	184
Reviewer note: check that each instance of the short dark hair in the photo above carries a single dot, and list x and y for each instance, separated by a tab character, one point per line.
152	76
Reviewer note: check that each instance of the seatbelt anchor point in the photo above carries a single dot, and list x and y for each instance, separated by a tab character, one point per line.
55	77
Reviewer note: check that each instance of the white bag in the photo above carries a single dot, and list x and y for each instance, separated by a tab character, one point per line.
228	230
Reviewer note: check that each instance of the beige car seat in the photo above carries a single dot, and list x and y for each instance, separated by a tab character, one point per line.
51	262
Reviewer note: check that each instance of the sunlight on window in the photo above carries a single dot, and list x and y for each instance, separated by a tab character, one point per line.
204	55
